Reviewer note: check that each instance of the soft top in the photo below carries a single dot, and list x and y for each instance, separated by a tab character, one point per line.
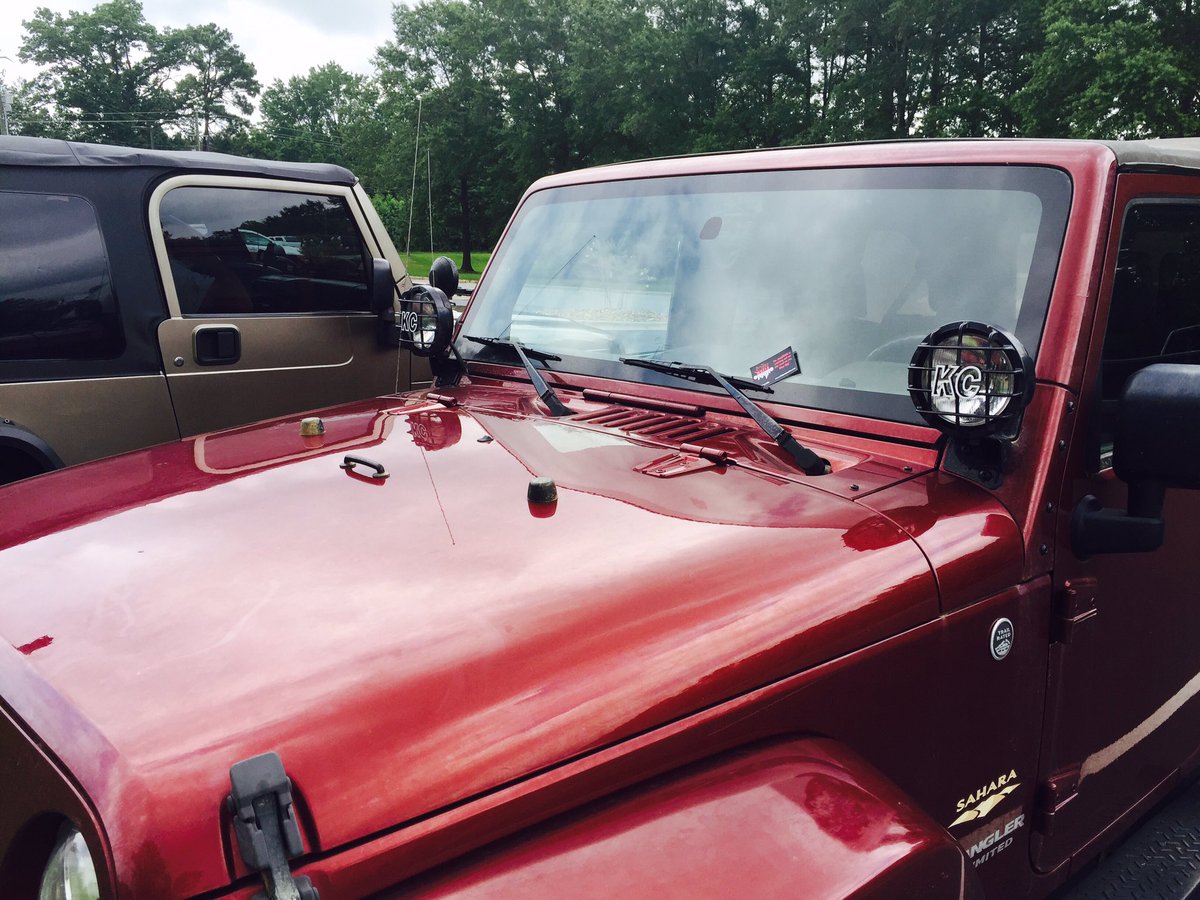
1174	153
18	150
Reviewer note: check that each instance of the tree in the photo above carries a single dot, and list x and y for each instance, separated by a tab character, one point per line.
1120	70
319	116
107	72
442	54
219	81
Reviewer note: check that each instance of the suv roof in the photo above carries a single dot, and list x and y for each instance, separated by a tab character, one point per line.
16	150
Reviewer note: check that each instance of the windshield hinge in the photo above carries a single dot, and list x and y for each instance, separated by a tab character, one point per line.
690	458
710	453
264	822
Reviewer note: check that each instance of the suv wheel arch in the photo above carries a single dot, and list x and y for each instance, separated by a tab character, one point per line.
23	454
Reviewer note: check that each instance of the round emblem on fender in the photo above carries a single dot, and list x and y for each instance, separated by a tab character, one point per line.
1002	638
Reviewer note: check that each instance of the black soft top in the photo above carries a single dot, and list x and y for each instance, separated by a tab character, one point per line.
1167	153
29	151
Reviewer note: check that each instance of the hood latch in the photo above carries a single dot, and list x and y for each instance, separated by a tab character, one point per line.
264	821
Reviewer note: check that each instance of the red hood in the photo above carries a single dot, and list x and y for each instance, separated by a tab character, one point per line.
408	643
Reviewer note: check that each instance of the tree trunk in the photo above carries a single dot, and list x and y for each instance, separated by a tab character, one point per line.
464	203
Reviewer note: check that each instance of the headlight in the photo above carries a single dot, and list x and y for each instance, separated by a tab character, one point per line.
70	874
970	377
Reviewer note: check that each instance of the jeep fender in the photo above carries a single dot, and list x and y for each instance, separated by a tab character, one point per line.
803	818
23	453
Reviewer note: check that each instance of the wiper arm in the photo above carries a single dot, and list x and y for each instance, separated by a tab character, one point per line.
807	460
556	406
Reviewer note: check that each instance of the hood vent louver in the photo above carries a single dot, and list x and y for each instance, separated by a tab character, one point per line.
656	425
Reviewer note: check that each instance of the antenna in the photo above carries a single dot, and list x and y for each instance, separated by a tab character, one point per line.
429	186
412	194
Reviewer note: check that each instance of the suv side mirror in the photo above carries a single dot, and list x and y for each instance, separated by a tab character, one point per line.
383	286
1154	448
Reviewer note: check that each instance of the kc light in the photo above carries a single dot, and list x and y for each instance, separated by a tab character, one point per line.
972	379
70	873
425	319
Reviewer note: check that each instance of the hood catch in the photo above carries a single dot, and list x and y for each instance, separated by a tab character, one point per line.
264	822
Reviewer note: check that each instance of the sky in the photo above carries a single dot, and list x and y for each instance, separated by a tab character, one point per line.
281	38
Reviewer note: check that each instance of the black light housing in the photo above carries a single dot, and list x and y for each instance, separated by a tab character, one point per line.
972	380
425	320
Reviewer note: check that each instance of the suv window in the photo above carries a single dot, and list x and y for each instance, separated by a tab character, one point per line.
56	295
1155	315
223	260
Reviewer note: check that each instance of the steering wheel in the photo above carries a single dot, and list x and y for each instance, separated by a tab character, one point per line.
897	349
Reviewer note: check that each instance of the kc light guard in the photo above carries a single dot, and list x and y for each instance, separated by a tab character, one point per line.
972	380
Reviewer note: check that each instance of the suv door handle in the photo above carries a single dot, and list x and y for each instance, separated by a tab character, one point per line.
216	345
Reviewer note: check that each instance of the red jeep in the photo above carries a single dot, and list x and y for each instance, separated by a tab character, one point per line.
804	522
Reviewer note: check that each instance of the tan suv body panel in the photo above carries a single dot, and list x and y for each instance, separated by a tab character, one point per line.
89	418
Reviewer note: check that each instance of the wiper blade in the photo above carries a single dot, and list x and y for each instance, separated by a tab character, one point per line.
556	406
699	374
807	460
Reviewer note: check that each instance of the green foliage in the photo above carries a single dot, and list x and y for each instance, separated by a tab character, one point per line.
107	71
325	115
112	77
393	212
474	99
1123	70
219	81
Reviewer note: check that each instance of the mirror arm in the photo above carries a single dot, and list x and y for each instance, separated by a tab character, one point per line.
448	372
386	329
1140	529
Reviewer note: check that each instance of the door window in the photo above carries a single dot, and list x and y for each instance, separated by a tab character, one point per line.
1155	315
236	250
56	296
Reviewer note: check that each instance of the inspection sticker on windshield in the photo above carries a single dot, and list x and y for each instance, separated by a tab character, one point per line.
775	368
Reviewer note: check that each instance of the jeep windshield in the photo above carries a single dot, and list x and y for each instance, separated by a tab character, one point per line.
850	267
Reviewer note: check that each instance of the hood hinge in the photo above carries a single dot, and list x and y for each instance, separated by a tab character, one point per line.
264	822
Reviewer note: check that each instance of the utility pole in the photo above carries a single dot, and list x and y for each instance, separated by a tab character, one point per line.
412	194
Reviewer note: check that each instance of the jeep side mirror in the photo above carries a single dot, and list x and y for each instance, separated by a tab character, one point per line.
1154	448
383	286
443	275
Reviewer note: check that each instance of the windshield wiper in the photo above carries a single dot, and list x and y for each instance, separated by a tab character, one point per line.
809	462
556	406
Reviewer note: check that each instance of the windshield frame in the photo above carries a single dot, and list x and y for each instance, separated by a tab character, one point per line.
1053	186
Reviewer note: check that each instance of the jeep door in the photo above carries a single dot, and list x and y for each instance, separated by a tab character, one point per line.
1124	720
258	327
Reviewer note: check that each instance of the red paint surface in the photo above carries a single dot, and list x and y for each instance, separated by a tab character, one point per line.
804	817
287	625
36	644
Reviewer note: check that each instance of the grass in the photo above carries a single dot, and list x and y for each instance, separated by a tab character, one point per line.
418	263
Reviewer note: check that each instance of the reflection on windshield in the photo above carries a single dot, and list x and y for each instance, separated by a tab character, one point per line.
849	267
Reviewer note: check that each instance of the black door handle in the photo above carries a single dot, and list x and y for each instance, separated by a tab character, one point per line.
217	345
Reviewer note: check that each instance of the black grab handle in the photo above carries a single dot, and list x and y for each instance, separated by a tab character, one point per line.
351	461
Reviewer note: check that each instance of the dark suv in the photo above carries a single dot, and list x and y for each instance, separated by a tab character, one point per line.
141	301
